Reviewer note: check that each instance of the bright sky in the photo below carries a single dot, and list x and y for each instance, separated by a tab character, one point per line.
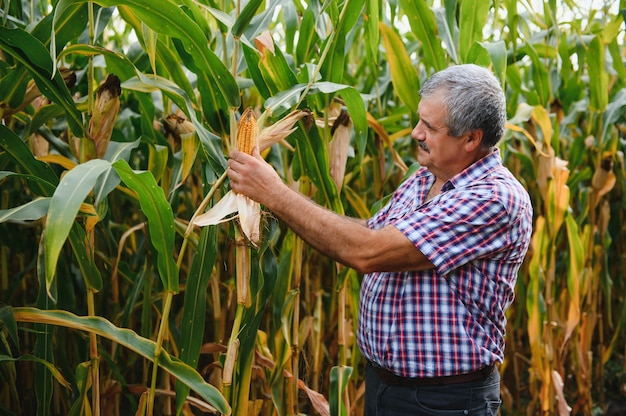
584	7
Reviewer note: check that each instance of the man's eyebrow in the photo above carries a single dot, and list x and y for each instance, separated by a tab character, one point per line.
430	126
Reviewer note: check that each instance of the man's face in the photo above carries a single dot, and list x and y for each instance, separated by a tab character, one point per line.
438	151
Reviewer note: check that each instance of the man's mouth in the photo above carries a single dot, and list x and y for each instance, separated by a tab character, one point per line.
422	146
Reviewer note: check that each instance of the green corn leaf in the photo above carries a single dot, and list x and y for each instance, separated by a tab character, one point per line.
478	55
210	142
128	339
446	25
17	150
616	53
53	370
403	74
194	305
109	179
332	68
121	61
160	220
150	44
356	109
166	17
598	77
64	206
56	31
245	17
339	377
540	77
44	338
31	53
83	382
350	13
313	156
84	256
614	110
189	147
13	87
276	72
45	114
497	52
8	322
34	182
535	303
252	62
214	108
168	58
157	161
285	100
472	20
424	26
575	275
371	27
30	211
308	36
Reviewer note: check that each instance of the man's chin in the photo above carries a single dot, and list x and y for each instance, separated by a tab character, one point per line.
422	157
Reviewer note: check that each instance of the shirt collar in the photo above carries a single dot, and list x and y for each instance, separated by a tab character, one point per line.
475	171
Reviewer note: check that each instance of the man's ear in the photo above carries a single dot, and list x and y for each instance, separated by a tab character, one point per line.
473	140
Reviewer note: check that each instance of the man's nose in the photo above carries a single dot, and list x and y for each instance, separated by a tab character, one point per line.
417	132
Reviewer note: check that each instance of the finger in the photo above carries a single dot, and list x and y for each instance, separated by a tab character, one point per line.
234	160
234	154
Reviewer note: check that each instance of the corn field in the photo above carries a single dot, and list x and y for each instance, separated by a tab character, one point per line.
117	120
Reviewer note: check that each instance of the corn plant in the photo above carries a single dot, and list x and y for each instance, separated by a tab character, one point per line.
125	288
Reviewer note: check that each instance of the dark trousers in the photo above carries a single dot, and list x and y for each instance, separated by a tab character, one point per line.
481	397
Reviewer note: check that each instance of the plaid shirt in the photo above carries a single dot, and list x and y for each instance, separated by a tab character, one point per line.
450	319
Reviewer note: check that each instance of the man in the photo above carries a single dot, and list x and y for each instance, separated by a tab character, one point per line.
440	261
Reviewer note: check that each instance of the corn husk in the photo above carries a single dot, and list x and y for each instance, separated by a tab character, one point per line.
105	113
233	205
176	127
339	147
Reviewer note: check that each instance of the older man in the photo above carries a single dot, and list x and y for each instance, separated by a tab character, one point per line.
440	260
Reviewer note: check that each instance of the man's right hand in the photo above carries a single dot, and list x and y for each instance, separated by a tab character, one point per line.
252	176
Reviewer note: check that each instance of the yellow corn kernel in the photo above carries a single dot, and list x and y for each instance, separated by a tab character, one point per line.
247	132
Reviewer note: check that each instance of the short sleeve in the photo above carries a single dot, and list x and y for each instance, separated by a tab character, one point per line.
457	227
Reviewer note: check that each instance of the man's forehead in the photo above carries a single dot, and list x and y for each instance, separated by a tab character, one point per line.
430	104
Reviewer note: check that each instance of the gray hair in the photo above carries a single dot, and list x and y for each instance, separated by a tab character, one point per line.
473	100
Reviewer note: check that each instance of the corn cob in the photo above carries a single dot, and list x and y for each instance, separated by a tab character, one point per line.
247	133
338	147
176	126
105	113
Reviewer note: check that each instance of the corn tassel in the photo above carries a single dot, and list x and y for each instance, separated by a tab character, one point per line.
247	133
